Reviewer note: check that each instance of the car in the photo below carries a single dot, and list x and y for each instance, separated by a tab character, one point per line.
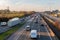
33	34
28	28
36	21
3	23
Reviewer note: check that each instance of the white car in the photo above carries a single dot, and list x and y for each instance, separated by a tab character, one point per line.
3	23
28	28
33	34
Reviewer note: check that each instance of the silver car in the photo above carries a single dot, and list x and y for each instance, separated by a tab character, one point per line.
28	28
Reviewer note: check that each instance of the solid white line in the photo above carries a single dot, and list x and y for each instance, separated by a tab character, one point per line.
39	33
48	33
39	26
39	30
16	38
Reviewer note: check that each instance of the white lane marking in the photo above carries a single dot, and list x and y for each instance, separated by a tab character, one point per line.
17	36
39	26
48	33
39	33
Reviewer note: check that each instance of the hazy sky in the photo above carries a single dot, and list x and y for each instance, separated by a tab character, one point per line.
27	5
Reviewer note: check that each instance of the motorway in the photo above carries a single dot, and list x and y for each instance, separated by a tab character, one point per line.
44	32
54	23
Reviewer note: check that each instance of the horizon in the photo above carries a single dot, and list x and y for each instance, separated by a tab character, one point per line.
30	5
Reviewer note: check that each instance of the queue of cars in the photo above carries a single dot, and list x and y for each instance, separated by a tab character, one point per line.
33	33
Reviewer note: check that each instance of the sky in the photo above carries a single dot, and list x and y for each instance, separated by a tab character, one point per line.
30	5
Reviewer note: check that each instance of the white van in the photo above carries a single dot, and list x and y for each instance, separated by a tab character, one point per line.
33	34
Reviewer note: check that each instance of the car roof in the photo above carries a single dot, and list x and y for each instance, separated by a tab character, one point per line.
27	26
33	31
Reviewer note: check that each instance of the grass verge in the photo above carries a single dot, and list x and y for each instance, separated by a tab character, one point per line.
9	32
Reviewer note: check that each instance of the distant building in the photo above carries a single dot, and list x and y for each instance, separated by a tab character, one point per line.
48	12
55	11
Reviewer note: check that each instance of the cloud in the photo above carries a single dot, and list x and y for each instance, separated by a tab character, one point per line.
36	5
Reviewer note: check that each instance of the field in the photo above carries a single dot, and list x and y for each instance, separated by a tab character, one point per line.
11	15
15	14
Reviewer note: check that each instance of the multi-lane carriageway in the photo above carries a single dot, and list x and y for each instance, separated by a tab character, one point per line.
44	32
54	24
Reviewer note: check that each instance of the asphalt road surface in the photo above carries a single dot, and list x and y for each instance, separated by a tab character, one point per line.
43	32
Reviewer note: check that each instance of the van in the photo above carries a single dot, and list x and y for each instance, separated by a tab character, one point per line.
33	34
